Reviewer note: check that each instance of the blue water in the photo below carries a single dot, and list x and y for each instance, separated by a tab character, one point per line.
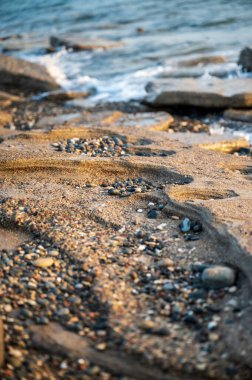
173	31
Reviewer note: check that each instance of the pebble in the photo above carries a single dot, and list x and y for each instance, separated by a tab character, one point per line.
212	325
217	277
129	187
43	262
161	226
101	346
191	229
63	312
232	290
7	308
185	225
152	214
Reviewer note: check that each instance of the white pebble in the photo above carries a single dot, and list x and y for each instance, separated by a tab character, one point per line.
161	226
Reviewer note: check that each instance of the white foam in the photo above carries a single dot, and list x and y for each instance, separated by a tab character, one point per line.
246	135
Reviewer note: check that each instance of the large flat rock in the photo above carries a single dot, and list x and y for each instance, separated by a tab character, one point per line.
17	75
77	43
203	92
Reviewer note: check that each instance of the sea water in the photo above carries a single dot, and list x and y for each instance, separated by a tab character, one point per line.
155	36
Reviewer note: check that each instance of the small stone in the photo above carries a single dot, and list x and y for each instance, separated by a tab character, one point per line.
151	204
212	325
201	366
161	226
78	286
15	352
138	190
232	303
54	253
175	217
232	290
75	300
44	262
147	325
113	192
152	214
101	346
169	286
165	263
139	234
63	312
213	337
63	365
217	277
8	308
141	247
140	210
185	225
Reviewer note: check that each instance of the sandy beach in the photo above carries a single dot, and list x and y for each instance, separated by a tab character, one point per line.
125	230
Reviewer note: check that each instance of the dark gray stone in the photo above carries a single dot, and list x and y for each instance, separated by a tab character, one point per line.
217	277
245	59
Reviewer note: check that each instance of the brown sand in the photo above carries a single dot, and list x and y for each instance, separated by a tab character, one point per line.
58	196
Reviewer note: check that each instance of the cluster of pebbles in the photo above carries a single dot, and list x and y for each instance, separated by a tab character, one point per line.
188	295
41	282
190	228
186	124
98	147
129	187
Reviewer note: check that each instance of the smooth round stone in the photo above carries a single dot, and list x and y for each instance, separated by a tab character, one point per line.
217	277
185	225
43	262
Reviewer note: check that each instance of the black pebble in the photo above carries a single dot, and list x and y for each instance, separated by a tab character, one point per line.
152	214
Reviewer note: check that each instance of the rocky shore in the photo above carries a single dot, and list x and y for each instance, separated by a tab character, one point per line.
125	232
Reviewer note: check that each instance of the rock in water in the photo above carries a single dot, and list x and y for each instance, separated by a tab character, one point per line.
239	115
245	59
17	75
217	277
201	92
77	43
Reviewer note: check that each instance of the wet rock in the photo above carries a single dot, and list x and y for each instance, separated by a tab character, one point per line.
245	59
6	98
64	96
238	115
202	61
201	92
217	277
17	75
77	43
